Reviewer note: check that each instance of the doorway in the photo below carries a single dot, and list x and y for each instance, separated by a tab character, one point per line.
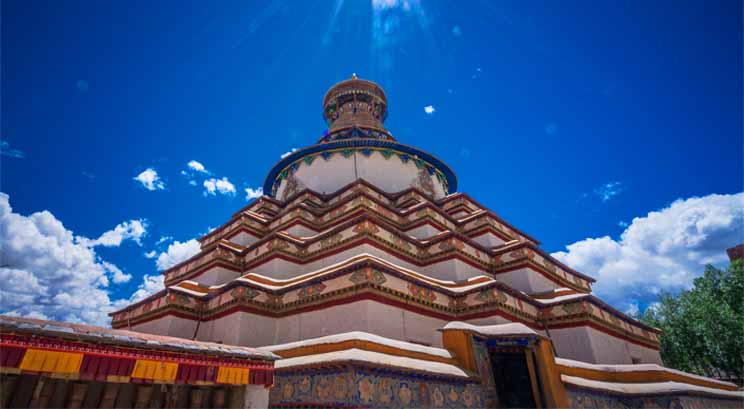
514	378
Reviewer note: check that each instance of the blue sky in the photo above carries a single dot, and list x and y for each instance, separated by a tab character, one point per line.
568	119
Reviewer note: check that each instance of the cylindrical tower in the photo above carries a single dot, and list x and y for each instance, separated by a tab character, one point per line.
357	146
354	108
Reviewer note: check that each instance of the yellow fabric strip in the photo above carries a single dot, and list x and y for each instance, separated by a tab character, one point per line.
232	376
39	360
155	370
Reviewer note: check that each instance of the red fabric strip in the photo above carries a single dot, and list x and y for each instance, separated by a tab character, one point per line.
11	356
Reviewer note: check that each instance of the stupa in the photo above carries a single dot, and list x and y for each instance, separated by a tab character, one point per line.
380	285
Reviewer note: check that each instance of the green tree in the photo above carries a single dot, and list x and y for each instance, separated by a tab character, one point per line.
703	328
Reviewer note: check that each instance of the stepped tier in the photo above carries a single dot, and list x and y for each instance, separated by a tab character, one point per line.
400	265
260	239
372	294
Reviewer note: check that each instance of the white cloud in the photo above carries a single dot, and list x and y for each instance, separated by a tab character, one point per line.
151	254
197	166
6	150
386	4
150	285
117	275
163	239
609	190
176	253
663	251
222	186
131	230
47	272
429	109
285	154
251	194
150	180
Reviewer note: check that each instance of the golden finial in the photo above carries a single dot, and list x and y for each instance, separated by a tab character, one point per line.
353	76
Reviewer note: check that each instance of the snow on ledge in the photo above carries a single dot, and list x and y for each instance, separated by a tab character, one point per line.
374	358
652	388
360	336
512	328
634	368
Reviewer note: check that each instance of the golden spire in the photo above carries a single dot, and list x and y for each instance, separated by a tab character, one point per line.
353	76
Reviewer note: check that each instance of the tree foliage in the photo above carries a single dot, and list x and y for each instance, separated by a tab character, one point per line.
704	326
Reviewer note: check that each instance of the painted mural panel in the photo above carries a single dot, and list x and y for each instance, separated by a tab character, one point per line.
591	399
374	388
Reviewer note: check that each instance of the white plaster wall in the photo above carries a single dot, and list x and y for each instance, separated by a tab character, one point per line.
301	231
608	349
239	328
590	345
423	232
393	322
527	280
453	269
390	175
460	214
243	239
646	355
242	328
288	328
216	276
488	240
169	326
573	343
444	270
335	320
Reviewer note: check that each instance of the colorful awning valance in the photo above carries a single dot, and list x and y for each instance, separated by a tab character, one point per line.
155	370
40	360
111	364
233	376
106	368
11	356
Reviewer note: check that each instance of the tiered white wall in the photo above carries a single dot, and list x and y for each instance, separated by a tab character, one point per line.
590	345
391	175
247	329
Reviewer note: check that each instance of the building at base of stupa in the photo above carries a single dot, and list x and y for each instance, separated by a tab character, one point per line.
379	285
47	364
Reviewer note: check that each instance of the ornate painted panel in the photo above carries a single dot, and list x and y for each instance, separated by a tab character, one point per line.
592	399
374	388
